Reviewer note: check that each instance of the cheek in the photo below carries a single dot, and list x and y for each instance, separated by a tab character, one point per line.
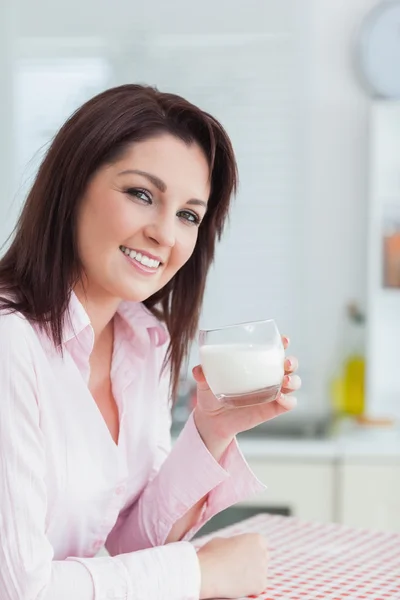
99	233
107	223
184	248
114	222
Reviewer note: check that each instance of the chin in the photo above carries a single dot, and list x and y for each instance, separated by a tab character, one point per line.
135	293
136	289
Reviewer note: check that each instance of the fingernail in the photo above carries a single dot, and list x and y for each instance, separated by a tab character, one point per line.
288	362
287	379
288	402
295	382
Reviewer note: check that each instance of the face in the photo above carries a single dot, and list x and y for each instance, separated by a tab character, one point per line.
139	218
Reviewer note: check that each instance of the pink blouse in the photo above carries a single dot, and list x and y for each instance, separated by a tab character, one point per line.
66	489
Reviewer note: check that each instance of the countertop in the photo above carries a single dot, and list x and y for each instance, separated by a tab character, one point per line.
371	446
349	442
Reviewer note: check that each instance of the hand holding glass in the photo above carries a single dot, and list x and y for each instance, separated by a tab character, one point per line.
243	364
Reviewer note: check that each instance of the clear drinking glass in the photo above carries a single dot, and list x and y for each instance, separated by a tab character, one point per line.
244	363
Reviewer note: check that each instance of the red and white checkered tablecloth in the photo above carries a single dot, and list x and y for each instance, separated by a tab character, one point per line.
310	561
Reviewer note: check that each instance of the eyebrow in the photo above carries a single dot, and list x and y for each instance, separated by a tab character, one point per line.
159	183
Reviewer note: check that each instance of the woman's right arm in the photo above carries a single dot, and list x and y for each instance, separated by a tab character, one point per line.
27	568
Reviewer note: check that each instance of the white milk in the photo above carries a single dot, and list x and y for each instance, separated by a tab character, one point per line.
241	368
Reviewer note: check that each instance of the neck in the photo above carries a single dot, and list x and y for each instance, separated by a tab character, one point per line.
100	308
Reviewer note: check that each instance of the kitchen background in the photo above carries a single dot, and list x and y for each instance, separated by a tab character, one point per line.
313	240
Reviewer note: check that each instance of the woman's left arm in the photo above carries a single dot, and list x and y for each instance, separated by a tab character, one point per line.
202	474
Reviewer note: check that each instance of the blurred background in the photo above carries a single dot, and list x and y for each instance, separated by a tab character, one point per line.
309	91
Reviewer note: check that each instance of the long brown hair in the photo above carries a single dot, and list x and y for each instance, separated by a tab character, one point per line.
42	264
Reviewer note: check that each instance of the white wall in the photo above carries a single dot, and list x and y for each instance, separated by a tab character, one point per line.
335	128
128	17
8	210
337	175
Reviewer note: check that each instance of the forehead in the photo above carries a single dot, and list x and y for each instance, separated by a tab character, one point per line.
173	161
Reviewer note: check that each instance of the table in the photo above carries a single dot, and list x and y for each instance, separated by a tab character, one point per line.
310	561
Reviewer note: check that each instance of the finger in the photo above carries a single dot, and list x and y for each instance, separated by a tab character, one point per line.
198	374
200	378
287	402
285	341
291	383
291	364
281	405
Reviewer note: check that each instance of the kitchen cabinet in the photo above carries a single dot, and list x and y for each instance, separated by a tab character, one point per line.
305	489
369	495
358	492
383	297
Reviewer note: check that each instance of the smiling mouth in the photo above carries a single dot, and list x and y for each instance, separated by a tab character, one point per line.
144	260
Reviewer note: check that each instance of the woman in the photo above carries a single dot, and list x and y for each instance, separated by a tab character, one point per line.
101	290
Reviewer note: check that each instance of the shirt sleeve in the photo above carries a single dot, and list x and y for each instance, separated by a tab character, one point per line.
182	476
28	570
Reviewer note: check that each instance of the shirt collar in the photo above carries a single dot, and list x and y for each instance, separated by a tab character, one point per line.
135	315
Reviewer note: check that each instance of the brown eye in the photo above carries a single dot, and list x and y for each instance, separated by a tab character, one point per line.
140	194
190	217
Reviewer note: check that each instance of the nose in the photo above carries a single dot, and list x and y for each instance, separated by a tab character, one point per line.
162	230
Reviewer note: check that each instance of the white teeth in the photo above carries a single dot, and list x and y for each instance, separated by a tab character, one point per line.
144	260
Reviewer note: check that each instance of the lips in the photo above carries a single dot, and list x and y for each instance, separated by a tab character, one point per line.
142	258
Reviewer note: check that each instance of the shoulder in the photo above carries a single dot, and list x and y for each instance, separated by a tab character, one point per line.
13	323
16	332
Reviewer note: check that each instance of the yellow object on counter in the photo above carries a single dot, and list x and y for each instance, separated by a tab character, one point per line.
354	385
348	383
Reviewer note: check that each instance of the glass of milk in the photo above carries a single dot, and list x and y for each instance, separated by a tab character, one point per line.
243	364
